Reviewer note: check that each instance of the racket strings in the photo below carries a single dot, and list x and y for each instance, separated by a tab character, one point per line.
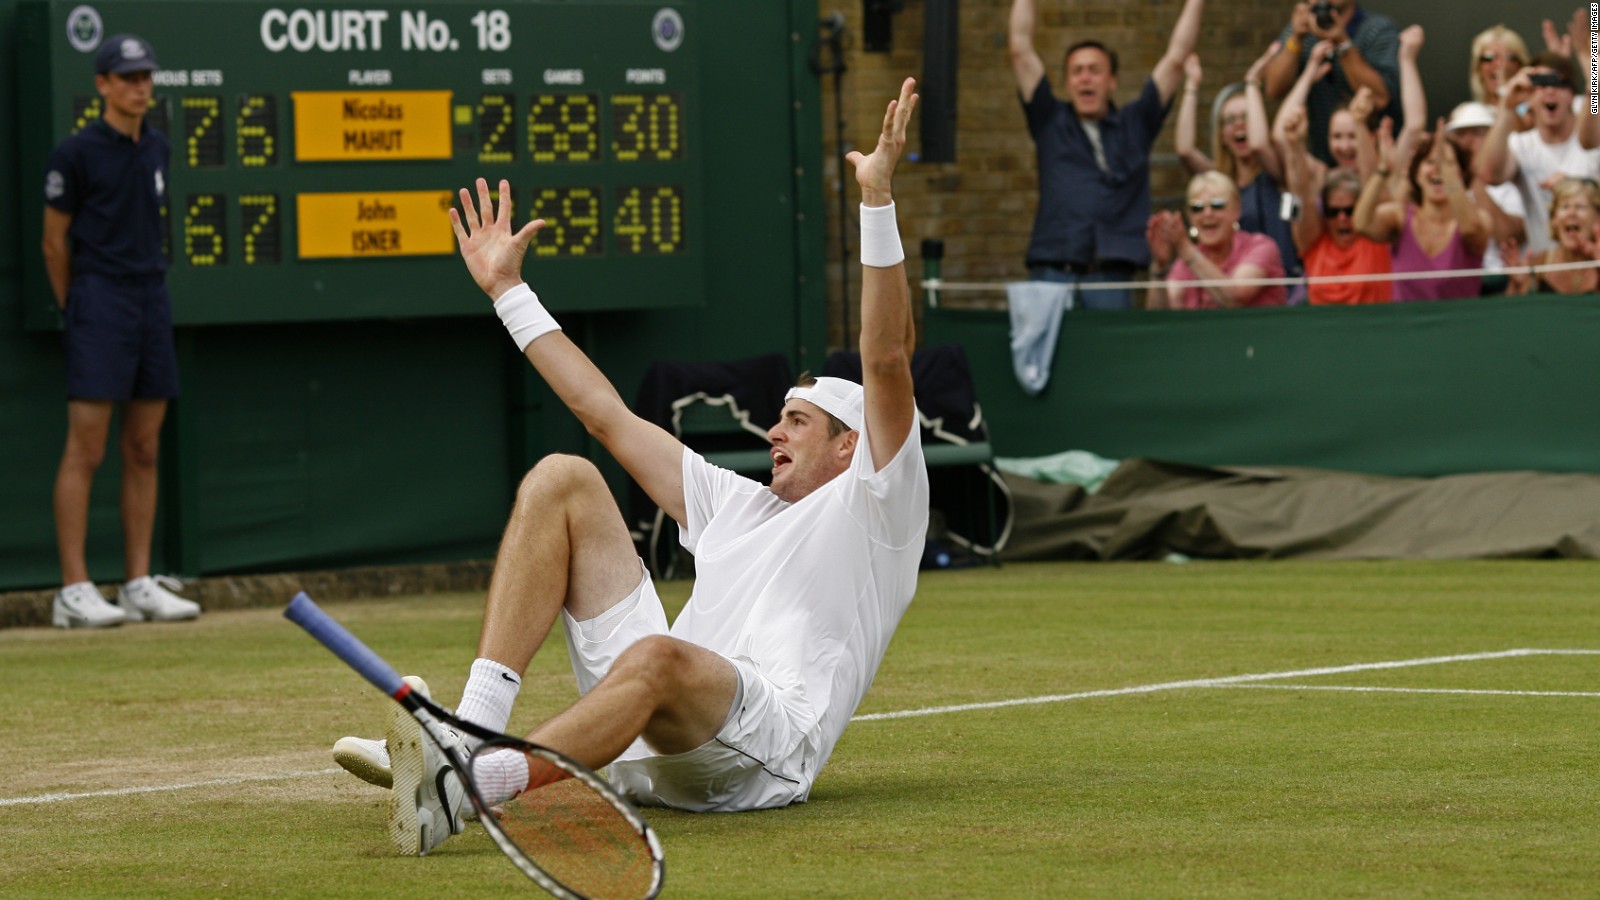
574	833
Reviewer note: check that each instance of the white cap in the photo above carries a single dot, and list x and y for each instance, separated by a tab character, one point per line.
1470	115
839	398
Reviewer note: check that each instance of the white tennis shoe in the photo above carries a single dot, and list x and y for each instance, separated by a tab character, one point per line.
151	599
81	606
426	796
364	758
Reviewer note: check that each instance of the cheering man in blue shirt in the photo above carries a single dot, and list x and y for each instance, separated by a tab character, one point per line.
1093	157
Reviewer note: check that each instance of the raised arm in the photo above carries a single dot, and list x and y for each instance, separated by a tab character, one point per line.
1472	223
1284	67
886	343
1413	100
1378	221
1183	133
1256	123
1495	162
1316	68
1303	183
1025	61
493	254
1168	73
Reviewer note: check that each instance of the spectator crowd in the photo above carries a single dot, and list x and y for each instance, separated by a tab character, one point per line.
1324	161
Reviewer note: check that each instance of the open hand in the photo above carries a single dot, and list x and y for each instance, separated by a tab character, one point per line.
492	252
875	171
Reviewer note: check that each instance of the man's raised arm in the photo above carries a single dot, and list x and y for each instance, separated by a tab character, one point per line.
493	254
1025	61
887	336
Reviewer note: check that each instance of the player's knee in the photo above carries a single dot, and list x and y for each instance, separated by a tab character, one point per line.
557	476
650	661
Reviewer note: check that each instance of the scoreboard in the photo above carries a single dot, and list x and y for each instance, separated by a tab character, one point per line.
317	148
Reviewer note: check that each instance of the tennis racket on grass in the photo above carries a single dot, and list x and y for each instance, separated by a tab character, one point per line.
569	830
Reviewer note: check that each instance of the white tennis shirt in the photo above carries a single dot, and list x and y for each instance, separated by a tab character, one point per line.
808	593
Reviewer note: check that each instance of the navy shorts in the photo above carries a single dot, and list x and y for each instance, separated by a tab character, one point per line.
119	339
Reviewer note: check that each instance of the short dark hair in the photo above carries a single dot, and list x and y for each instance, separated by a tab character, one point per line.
1092	45
1561	63
1424	150
836	426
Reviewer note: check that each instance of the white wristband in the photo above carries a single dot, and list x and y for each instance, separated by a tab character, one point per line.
880	237
524	316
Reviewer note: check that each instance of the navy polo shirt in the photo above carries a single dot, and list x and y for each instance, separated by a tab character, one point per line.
114	188
1085	214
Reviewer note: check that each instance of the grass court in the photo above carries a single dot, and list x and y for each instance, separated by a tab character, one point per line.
1123	730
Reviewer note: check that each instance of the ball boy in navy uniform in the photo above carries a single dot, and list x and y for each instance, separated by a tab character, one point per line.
104	193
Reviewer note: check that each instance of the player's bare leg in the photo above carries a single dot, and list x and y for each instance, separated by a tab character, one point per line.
565	545
673	693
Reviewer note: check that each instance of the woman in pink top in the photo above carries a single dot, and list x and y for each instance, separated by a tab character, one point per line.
1437	228
1212	248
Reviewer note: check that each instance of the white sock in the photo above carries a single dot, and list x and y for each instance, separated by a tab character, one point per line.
491	691
500	775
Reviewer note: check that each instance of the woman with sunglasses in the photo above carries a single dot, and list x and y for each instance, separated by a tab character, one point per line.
1575	225
1497	54
1325	231
1242	149
1435	228
1211	248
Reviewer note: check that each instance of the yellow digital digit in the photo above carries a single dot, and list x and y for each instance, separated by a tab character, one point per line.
579	116
261	239
496	117
627	132
666	219
202	127
204	230
257	130
581	207
627	225
665	135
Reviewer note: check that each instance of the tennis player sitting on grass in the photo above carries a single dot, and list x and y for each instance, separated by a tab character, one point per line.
739	702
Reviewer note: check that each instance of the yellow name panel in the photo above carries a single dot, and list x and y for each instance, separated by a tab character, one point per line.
361	126
368	224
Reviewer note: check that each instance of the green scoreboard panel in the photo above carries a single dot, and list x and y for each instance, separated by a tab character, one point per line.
316	149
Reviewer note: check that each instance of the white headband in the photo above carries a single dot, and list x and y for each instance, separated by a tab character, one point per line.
840	398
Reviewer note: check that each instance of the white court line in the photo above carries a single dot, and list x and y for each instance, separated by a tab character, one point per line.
162	788
1218	682
1226	681
1367	689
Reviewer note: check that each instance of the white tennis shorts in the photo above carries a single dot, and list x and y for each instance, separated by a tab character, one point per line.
757	761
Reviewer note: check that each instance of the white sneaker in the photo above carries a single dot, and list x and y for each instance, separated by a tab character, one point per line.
152	599
364	758
81	606
426	798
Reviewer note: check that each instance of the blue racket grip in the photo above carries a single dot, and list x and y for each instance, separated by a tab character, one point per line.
308	615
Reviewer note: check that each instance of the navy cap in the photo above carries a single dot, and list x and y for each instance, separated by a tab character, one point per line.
124	53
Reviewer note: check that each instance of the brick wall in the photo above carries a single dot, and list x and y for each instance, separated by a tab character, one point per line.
982	205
